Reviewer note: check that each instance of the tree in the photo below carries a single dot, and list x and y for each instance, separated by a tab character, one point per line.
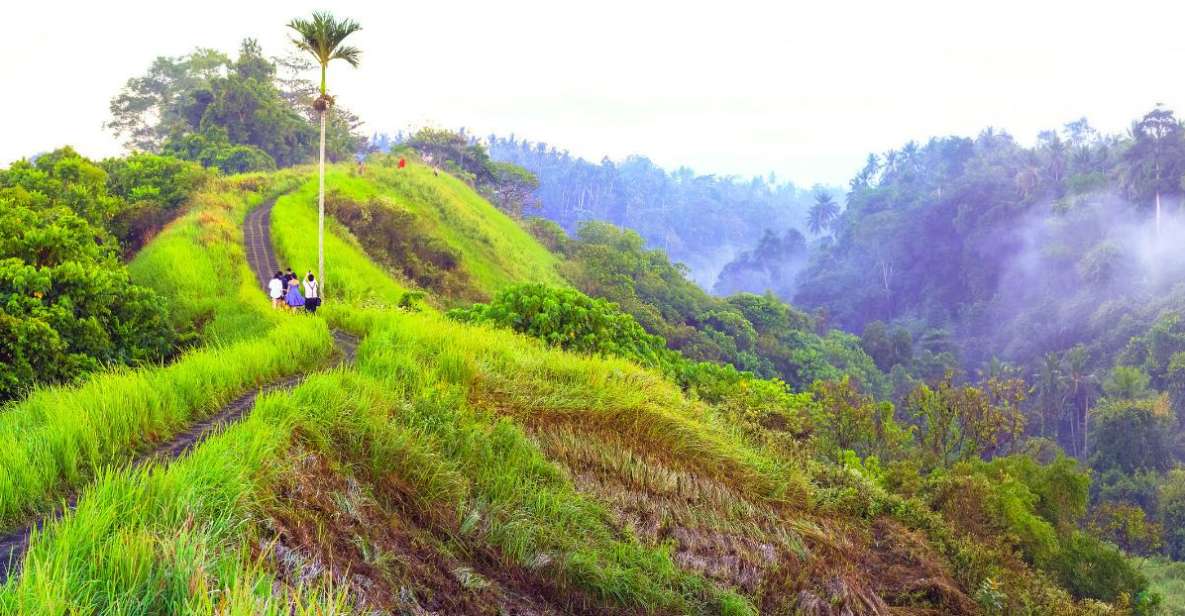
1171	511
1126	383
823	213
847	420
236	114
1156	159
1132	435
322	37
962	422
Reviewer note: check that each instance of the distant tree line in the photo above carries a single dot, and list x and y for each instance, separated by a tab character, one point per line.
244	114
702	221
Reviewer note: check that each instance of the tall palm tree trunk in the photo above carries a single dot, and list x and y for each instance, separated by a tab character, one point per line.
321	213
1158	213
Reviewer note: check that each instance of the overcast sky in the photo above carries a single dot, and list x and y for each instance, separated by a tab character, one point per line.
803	89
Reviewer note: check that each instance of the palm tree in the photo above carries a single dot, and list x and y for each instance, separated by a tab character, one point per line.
321	37
823	213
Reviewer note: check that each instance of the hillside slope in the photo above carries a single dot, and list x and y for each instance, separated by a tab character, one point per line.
464	470
438	222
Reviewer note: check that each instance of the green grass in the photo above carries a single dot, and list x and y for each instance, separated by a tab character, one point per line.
57	438
350	276
544	387
495	250
1166	578
166	541
178	540
197	262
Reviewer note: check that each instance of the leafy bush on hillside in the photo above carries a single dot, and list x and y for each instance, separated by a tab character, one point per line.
570	320
66	304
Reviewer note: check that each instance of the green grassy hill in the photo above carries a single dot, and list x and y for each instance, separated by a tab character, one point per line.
453	468
490	249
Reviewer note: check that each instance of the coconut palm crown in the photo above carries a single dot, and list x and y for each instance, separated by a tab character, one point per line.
322	36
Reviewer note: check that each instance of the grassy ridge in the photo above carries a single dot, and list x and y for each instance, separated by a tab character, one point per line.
167	541
58	438
351	277
197	263
495	250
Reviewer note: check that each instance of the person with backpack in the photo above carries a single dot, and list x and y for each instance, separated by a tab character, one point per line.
275	289
312	293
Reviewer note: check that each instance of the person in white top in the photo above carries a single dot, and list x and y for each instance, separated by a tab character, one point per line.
275	288
312	293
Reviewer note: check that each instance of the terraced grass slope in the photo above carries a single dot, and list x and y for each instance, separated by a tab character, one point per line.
455	469
491	250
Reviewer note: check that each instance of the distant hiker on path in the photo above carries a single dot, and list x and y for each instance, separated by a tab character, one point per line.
275	288
312	294
402	162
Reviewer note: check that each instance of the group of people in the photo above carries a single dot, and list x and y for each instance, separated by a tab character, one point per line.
284	289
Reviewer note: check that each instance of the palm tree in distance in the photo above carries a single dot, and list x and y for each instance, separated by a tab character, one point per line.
321	37
823	213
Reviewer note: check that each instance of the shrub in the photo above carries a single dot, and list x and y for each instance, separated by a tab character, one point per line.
1127	526
571	320
68	305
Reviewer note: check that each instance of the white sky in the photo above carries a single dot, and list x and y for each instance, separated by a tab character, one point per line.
804	89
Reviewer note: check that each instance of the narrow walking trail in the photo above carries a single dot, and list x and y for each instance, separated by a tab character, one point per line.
262	259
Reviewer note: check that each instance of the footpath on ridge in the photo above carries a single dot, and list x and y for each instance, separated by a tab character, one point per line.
262	259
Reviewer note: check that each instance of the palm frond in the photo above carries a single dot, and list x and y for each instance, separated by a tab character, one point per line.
347	53
322	37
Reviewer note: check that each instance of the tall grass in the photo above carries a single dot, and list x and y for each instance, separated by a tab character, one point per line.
495	250
178	539
350	275
545	388
168	540
58	438
197	262
1167	578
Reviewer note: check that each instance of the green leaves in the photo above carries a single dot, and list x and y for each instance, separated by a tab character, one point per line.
67	306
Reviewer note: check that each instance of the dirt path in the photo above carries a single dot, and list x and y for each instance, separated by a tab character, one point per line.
257	242
261	258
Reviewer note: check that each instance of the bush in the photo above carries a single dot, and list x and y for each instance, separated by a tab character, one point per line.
1089	568
68	305
1132	435
1171	511
571	320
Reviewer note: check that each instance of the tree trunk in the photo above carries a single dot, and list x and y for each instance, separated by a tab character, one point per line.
321	212
1158	213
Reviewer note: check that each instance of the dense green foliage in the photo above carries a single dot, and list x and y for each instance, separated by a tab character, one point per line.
235	115
67	306
751	332
570	320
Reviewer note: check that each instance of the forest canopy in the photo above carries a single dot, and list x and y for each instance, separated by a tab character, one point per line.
248	113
